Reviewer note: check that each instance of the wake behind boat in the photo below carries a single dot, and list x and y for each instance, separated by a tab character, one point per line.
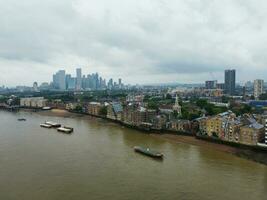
148	152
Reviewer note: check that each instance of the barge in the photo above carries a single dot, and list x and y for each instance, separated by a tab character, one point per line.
45	125
21	119
53	125
65	129
148	152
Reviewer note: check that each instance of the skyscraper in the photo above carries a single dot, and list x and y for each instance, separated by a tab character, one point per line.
258	88
59	80
229	81
78	79
35	87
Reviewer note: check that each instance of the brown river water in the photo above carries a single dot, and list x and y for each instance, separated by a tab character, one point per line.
97	162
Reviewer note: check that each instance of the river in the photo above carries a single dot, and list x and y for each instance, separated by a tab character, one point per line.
97	162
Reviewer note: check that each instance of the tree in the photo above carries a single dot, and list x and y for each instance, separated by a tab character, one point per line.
103	111
153	105
78	108
202	103
168	96
263	96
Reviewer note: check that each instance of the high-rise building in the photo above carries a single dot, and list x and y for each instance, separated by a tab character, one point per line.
59	80
78	79
229	81
68	77
110	84
220	86
35	87
211	84
70	82
258	88
120	83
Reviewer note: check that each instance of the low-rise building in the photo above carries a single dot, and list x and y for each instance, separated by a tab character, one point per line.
115	111
252	134
180	125
159	122
94	108
226	126
33	102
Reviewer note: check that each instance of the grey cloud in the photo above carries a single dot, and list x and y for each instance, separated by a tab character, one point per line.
129	38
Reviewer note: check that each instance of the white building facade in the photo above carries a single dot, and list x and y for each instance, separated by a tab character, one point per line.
258	88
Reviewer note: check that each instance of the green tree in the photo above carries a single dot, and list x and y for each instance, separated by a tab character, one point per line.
103	111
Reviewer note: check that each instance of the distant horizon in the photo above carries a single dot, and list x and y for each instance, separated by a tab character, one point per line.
73	74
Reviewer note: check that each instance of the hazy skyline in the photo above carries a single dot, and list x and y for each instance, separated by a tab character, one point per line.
148	41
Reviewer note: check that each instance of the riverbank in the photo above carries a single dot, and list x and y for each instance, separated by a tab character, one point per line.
249	154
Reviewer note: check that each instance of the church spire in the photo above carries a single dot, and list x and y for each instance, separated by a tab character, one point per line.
177	106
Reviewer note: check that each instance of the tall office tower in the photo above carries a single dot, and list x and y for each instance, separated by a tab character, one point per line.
100	82
110	84
97	81
78	79
120	83
67	79
104	83
83	82
59	80
258	88
35	87
62	82
229	81
211	84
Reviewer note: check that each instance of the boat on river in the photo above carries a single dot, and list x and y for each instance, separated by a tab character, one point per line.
148	152
21	119
53	124
65	129
45	125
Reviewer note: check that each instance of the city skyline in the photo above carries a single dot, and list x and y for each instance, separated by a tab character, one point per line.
73	73
141	42
81	81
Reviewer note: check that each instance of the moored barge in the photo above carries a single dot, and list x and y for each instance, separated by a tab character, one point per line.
53	125
45	125
148	152
65	129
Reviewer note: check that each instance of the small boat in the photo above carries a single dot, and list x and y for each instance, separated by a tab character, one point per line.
46	125
53	125
148	152
65	129
21	119
46	108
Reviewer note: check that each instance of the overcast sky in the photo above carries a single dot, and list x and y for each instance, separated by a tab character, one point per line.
142	41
